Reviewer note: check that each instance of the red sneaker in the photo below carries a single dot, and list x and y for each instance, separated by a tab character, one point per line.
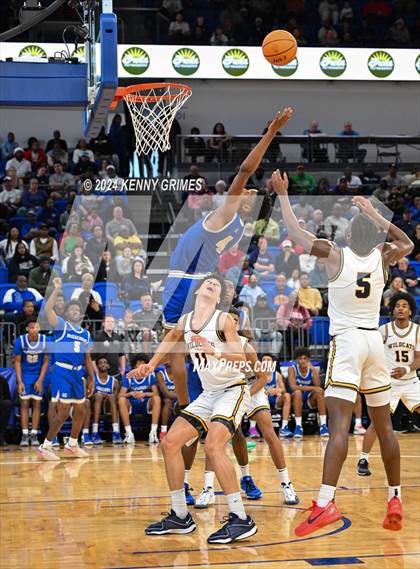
162	435
318	518
394	515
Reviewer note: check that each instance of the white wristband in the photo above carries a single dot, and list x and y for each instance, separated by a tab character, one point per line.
407	369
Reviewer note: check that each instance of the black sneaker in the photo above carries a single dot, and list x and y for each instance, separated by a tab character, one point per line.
234	529
363	468
171	524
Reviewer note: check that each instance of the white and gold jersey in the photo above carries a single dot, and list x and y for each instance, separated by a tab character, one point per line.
214	375
355	293
400	346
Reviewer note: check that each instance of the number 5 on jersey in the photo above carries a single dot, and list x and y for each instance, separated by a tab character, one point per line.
363	285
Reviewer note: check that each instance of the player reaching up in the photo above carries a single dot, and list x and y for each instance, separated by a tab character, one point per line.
357	276
401	337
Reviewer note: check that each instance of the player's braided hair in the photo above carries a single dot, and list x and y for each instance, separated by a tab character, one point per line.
402	296
364	234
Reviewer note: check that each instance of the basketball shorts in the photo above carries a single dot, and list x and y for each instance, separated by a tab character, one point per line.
356	362
406	390
67	385
259	402
306	399
140	406
227	407
29	384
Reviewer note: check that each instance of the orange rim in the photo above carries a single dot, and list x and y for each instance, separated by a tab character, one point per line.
121	92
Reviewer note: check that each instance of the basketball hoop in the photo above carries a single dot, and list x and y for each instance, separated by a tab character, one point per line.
153	107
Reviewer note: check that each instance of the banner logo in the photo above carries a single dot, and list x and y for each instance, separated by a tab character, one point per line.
333	63
185	61
286	70
235	62
33	51
381	64
135	60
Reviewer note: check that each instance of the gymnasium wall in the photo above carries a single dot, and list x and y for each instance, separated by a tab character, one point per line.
245	106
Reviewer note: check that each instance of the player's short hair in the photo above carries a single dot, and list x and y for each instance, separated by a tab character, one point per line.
219	279
403	296
31	320
302	352
73	302
364	234
235	311
269	355
139	358
101	357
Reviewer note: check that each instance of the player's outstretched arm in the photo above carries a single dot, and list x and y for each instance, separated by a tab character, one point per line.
49	305
225	213
401	244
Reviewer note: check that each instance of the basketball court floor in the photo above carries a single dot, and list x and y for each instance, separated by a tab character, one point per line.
91	513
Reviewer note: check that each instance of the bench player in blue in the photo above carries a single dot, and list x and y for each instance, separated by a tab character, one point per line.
278	397
71	346
199	249
106	390
167	391
139	396
31	364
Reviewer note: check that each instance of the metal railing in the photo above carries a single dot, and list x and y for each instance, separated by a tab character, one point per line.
8	334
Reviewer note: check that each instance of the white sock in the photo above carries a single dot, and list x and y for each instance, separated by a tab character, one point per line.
187	476
364	455
153	429
284	424
163	428
323	419
283	475
34	431
235	505
47	444
73	442
95	427
326	494
253	424
115	427
208	479
128	430
85	431
244	470
394	491
25	431
179	504
358	422
298	421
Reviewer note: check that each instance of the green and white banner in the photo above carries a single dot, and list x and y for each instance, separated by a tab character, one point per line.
207	62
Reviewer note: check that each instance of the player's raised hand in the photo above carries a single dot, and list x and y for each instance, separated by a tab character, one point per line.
143	370
281	118
365	206
280	183
57	283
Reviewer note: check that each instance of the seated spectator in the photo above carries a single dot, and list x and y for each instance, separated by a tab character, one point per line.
171	7
398	34
415	254
96	245
346	12
415	210
303	209
261	260
349	149
9	195
328	11
336	224
279	292
233	257
396	285
318	276
76	264
89	299
393	178
33	197
40	277
31	227
302	183
129	330
109	343
323	187
194	174
251	291
219	198
85	230
309	297
124	263
107	269
316	224
60	180
118	222
406	223
369	178
94	219
382	192
125	239
56	138
294	282
218	147
199	34
57	154
265	328
293	319
44	244
287	260
9	146
111	174
412	180
194	145
82	151
408	274
19	163
13	299
240	274
35	155
327	34
307	392
136	283
29	310
21	263
49	215
218	37
149	317
71	239
353	182
9	244
179	30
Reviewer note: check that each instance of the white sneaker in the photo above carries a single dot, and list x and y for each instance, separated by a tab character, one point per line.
359	430
290	496
75	451
205	499
129	439
153	439
47	454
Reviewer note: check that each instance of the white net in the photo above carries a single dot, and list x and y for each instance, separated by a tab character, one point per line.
152	112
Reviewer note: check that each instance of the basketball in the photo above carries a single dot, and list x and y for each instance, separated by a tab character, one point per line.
279	47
